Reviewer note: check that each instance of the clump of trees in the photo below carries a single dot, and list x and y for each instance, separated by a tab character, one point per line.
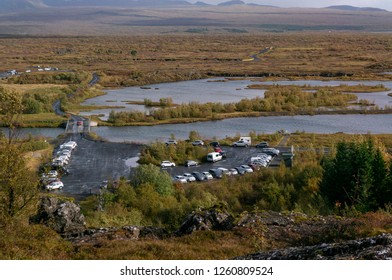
358	175
277	99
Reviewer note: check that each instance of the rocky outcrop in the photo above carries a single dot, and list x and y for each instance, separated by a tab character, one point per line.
95	236
214	218
374	248
62	216
296	229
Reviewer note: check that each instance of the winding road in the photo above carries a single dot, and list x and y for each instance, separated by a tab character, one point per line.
72	125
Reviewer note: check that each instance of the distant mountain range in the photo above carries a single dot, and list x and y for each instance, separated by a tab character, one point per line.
352	8
85	17
23	5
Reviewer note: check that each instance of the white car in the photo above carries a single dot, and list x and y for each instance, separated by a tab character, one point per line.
171	142
207	175
225	171
53	174
233	171
189	163
240	143
180	178
167	163
56	185
70	144
189	177
198	143
247	168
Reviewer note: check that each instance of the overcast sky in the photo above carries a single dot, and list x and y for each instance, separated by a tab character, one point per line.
384	4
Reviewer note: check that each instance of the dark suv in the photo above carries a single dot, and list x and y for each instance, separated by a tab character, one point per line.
262	145
214	144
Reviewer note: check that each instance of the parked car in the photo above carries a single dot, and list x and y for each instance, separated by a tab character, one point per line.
240	143
70	144
53	174
218	149
189	163
199	176
56	185
207	175
262	145
264	155
271	151
247	168
214	144
255	167
233	171
171	142
223	153
225	171
240	170
216	173
214	157
189	177
180	178
198	143
167	163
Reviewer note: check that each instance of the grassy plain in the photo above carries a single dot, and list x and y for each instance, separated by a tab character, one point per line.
164	58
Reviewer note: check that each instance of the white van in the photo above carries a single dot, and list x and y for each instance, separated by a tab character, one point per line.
214	157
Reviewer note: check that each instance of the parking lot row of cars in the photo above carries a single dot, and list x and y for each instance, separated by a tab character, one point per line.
51	180
253	163
214	173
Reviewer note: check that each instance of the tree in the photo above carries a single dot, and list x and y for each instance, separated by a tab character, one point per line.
356	176
151	174
18	186
11	108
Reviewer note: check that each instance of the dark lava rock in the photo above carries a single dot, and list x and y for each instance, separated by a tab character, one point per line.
373	248
96	236
62	216
214	218
297	229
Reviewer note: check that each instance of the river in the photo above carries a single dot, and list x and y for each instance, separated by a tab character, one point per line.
215	90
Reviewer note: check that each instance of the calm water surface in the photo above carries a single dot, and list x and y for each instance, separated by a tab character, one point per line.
374	124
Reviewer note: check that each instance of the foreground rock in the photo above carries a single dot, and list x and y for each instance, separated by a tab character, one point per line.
291	229
96	236
214	218
62	216
374	248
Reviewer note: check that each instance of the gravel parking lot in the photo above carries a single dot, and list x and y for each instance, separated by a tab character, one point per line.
236	156
92	162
